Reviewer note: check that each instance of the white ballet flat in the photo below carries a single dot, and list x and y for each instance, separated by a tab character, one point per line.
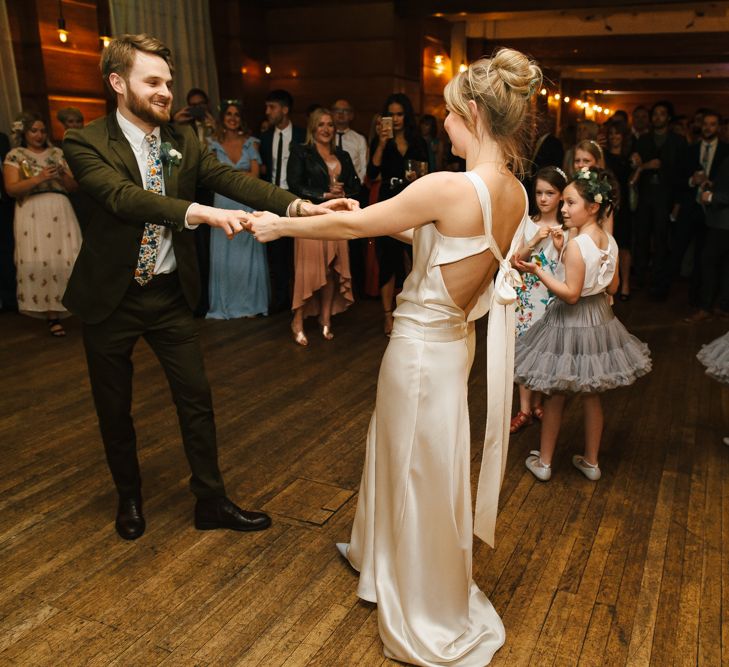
343	547
535	466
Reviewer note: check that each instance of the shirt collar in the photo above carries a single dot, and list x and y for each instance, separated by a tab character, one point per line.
133	134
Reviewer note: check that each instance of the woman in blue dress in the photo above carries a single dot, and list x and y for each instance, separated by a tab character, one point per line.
238	267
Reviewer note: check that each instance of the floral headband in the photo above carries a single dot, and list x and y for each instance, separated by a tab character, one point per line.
598	188
17	127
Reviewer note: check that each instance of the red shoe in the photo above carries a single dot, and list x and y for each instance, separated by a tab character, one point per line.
519	421
538	412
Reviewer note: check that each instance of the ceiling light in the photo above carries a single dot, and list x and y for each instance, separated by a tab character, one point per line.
566	98
543	91
557	96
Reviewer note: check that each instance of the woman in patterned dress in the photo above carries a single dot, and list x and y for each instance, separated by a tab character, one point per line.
47	235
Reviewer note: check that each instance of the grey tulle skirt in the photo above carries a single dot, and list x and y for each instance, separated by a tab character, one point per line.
580	348
715	356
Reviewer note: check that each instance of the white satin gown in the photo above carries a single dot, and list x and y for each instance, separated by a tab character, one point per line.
412	534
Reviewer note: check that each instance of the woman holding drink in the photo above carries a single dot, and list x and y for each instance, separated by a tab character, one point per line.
318	170
394	153
47	235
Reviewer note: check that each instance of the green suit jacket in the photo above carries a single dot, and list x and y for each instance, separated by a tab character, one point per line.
113	206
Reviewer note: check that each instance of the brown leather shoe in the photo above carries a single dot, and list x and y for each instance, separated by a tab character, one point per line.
130	522
214	513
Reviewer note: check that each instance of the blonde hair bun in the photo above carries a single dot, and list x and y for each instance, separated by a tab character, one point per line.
517	71
502	87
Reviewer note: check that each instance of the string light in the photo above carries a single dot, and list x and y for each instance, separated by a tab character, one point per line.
566	99
606	112
105	40
462	68
438	60
267	69
543	91
557	97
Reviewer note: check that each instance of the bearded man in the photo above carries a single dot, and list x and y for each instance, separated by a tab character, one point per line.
137	275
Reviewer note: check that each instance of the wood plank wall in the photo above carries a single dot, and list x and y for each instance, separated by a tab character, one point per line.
53	75
361	51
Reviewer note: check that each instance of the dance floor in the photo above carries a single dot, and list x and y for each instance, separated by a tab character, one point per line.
631	570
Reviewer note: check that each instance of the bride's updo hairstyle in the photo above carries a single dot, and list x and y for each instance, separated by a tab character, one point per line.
502	87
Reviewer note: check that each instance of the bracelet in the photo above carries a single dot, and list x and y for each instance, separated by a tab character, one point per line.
298	206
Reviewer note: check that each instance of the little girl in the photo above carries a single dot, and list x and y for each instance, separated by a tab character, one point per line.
715	356
579	346
589	155
533	297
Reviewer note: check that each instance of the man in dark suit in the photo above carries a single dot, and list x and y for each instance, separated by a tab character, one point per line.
715	255
657	155
275	150
137	276
697	169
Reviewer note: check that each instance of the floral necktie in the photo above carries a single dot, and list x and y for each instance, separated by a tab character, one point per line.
152	233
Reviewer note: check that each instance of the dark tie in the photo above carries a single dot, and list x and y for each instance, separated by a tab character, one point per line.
339	140
279	158
706	153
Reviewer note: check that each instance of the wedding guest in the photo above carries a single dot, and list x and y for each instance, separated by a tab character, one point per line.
698	170
319	171
617	160
579	346
397	143
238	266
429	132
71	118
275	150
198	116
8	298
47	235
412	536
587	130
715	255
533	296
641	122
656	155
356	145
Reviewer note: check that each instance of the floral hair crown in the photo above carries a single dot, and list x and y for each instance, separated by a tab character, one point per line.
598	188
17	127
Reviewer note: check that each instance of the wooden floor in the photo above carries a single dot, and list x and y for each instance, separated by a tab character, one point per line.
632	570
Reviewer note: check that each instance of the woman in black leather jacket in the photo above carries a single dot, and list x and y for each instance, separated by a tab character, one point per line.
318	171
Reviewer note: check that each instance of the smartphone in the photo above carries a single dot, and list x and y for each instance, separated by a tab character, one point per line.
197	112
386	124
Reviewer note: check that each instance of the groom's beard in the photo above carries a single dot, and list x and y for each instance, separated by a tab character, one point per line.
147	111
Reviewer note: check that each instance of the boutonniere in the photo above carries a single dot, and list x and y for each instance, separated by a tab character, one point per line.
169	156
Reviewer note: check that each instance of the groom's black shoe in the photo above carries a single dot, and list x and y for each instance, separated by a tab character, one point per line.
129	519
212	513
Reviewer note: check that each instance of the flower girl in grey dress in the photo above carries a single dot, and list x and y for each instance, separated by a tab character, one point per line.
715	356
579	346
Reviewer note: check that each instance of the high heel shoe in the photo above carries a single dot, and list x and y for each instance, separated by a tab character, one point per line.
299	336
326	331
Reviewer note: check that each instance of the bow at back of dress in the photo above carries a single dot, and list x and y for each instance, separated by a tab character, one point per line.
499	300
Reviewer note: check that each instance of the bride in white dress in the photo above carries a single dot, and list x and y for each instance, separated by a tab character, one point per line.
413	531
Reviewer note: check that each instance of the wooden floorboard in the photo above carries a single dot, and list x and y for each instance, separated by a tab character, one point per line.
632	570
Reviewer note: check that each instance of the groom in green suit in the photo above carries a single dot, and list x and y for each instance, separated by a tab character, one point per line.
137	275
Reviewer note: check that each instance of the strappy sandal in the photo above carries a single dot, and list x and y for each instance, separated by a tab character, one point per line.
538	412
299	336
55	328
519	421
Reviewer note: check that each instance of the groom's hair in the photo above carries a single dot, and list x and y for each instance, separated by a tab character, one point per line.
118	57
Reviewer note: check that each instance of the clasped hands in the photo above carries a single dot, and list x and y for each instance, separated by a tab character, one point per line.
260	223
557	234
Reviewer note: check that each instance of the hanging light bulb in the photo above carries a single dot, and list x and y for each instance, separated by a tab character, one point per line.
62	32
462	68
438	60
557	97
267	69
566	99
543	91
105	40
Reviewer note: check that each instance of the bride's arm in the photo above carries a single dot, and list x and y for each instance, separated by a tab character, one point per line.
421	202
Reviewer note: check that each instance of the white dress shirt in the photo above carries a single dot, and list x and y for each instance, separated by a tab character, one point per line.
166	262
356	145
288	135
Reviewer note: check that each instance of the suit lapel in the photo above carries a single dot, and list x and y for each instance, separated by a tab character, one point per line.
171	173
122	150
